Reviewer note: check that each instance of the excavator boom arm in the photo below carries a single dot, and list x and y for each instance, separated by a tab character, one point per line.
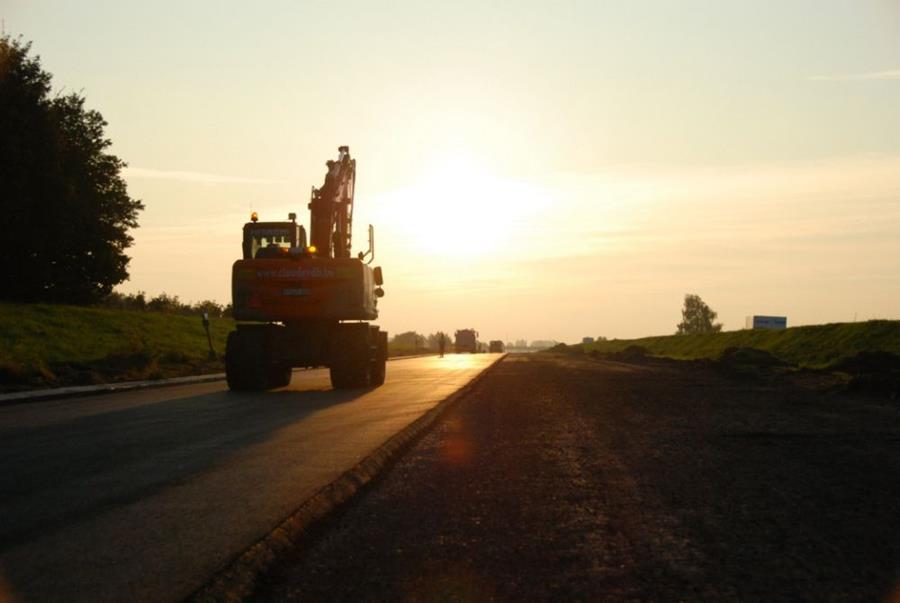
331	208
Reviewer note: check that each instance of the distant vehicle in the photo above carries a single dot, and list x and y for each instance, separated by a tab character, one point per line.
466	341
766	322
496	346
587	340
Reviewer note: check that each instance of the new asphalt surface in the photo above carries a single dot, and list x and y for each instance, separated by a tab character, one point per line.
144	495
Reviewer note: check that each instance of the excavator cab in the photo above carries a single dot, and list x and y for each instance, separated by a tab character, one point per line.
272	239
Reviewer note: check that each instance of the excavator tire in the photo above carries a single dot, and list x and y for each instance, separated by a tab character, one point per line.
379	363
279	376
350	355
245	368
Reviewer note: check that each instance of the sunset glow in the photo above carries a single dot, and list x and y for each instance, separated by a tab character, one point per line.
458	209
599	159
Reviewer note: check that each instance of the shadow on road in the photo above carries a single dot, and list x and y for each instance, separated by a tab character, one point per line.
55	474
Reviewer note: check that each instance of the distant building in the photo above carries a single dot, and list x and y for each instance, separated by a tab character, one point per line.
587	340
766	322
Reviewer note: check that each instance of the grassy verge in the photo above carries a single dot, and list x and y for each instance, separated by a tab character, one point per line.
44	345
818	346
406	350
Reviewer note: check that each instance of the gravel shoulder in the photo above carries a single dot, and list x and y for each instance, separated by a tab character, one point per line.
575	479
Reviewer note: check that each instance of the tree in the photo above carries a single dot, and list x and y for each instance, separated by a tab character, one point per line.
409	339
210	307
167	304
697	317
65	208
122	301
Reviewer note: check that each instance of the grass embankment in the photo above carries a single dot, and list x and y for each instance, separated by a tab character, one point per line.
819	346
45	345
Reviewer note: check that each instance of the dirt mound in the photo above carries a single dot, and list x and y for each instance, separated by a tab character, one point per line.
868	363
749	363
873	372
737	356
633	353
561	348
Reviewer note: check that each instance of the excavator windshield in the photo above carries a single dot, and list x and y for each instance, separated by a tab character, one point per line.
268	239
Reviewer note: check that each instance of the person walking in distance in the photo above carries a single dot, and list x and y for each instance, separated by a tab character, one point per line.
442	343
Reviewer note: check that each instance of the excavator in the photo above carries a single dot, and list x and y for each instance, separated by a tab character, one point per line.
305	304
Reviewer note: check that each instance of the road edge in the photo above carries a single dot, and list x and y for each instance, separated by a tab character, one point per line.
237	580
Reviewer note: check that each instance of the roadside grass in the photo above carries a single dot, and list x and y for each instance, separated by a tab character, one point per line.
48	345
44	345
816	347
397	349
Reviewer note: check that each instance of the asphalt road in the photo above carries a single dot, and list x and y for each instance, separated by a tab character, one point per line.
144	495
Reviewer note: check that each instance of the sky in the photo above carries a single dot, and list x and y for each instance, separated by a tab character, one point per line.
537	170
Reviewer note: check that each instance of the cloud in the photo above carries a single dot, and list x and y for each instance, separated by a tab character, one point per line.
197	177
891	74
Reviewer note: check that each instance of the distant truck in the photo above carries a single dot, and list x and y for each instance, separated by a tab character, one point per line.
766	322
496	346
466	341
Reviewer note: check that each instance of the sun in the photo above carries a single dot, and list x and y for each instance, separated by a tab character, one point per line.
457	208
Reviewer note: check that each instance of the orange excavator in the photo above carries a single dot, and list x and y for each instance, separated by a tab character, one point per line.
305	305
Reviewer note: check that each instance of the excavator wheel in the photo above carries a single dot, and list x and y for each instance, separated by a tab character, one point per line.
379	363
279	376
350	364
245	368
